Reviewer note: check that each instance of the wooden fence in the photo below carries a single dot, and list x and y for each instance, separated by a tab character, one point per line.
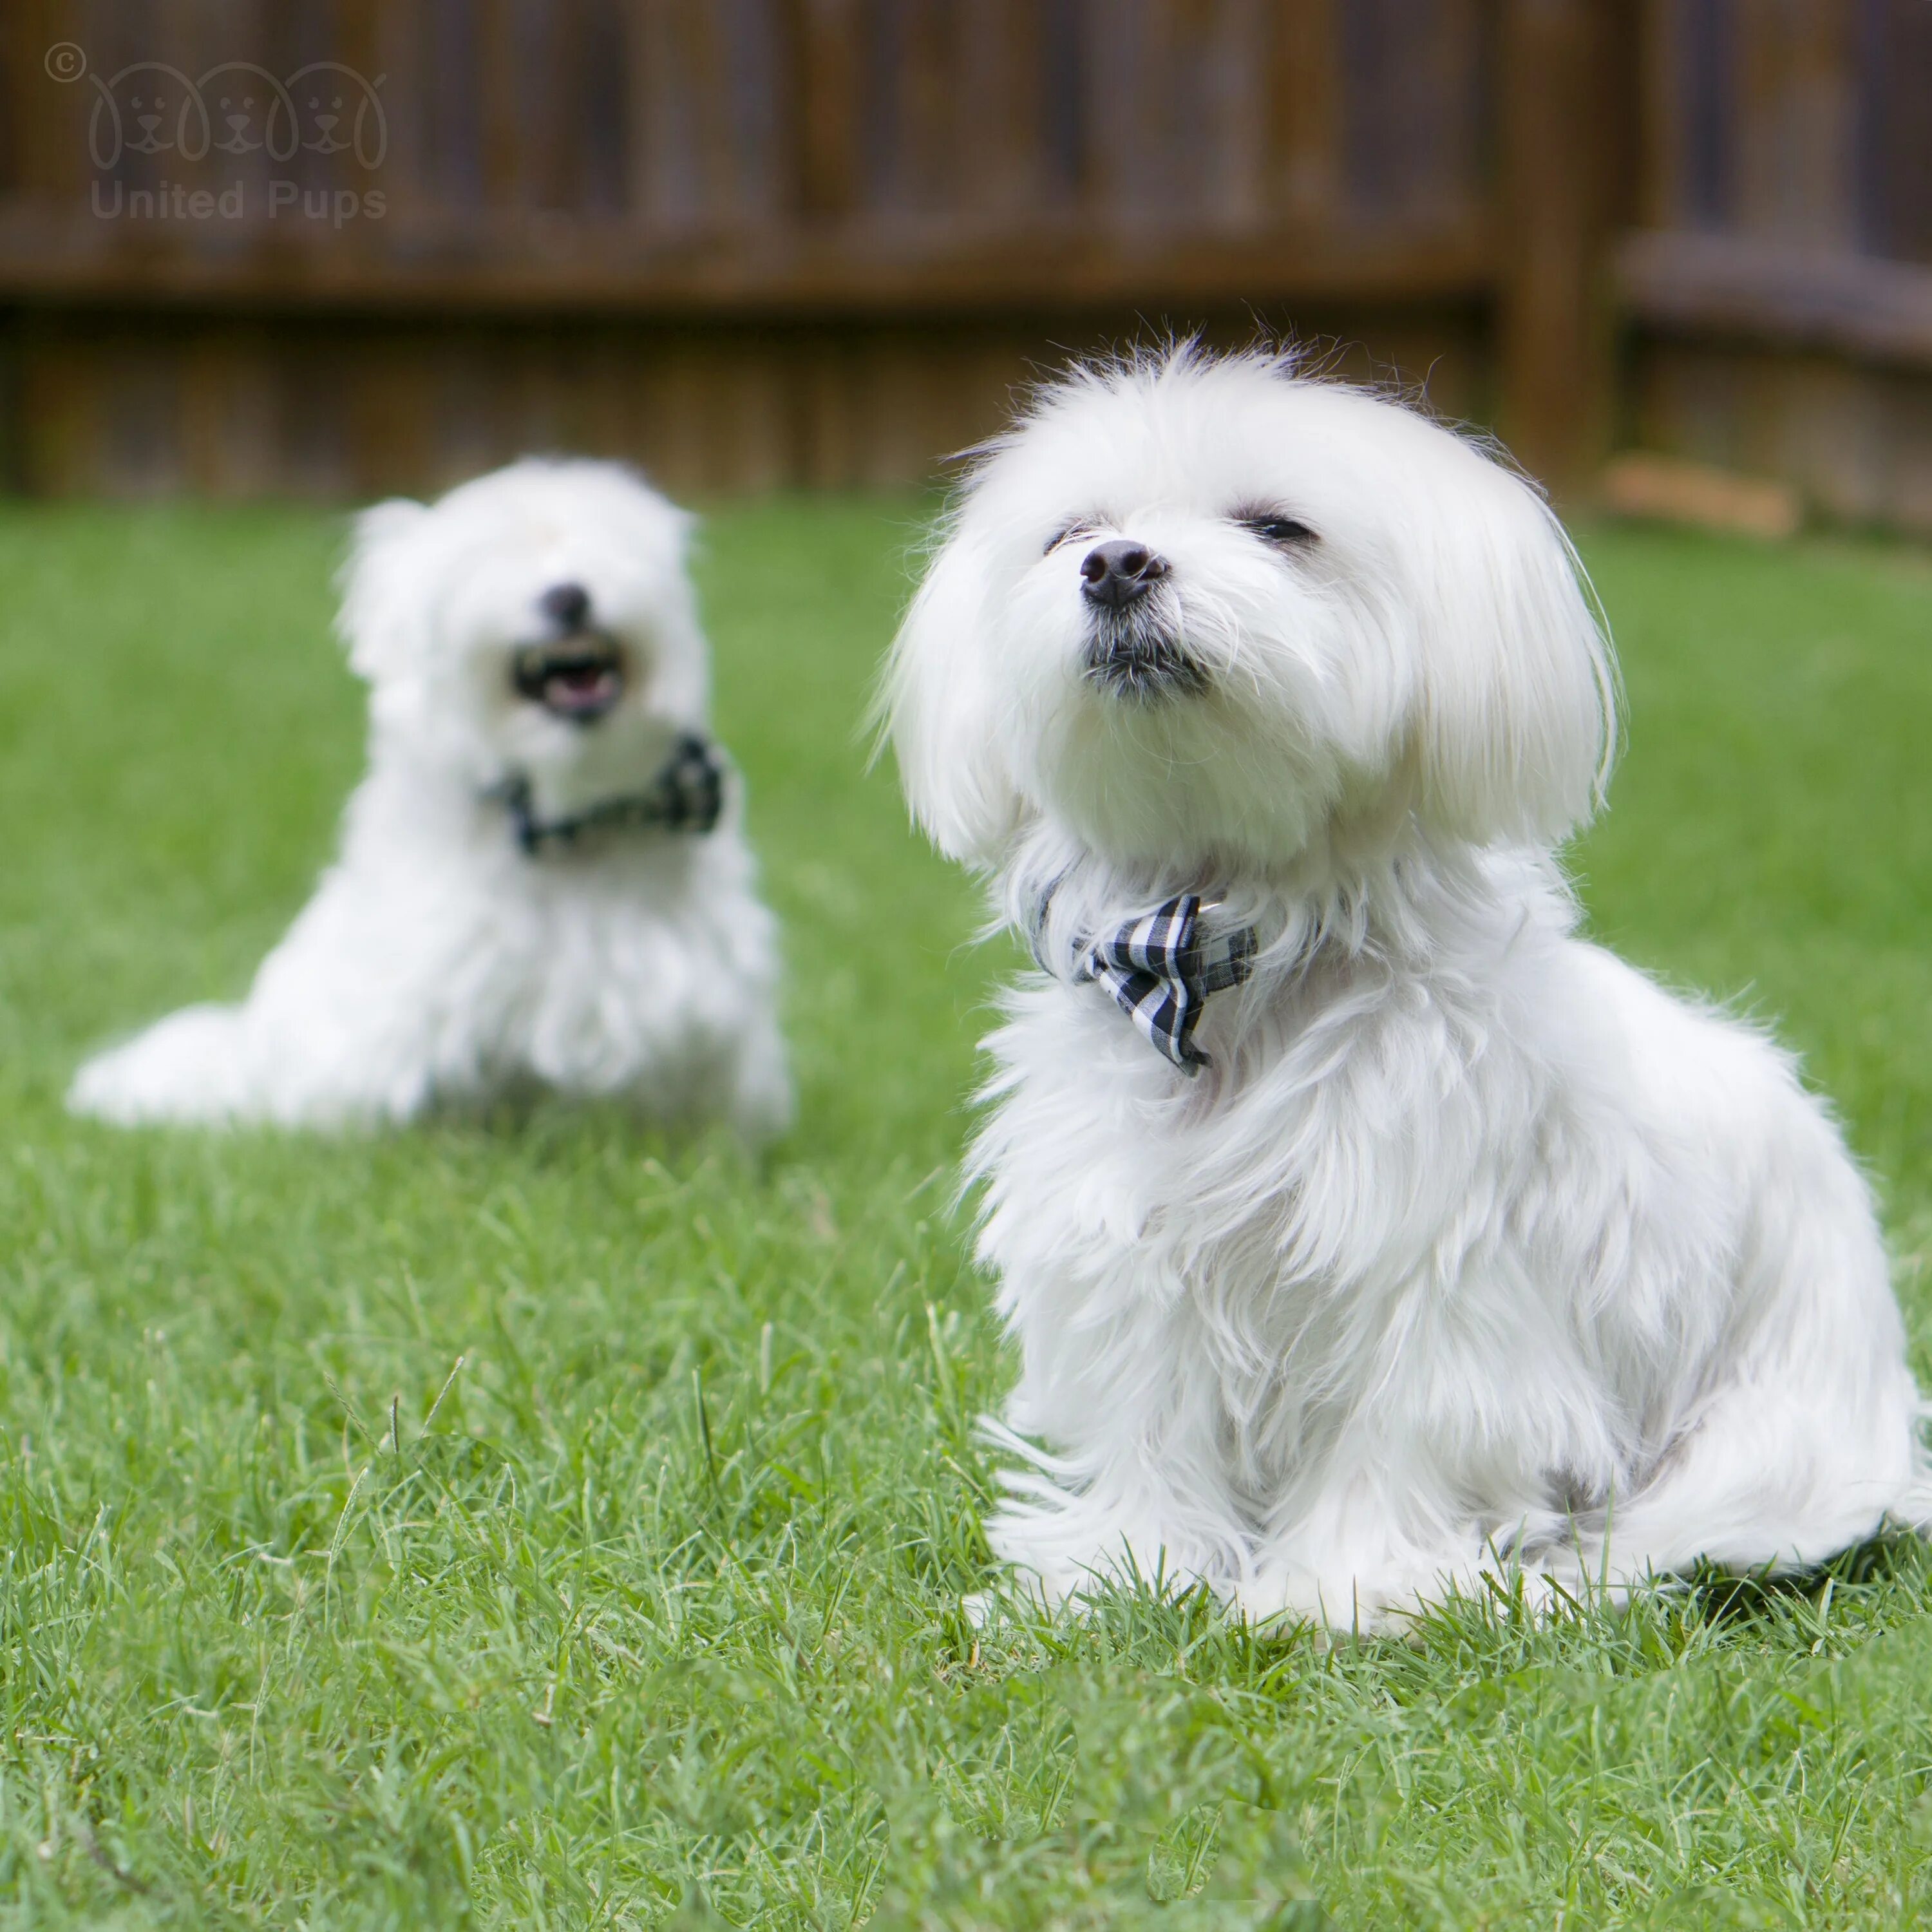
1778	292
341	246
749	241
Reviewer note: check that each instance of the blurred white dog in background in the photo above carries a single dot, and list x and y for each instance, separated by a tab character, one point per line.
542	882
1363	1229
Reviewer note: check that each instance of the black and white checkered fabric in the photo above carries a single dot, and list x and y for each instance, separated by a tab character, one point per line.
687	795
1161	970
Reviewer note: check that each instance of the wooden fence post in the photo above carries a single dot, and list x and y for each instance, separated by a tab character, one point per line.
1564	77
829	104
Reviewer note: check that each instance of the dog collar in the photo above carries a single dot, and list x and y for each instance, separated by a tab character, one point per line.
1161	968
687	795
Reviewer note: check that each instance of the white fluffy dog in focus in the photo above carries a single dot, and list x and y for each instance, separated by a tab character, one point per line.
542	881
1363	1229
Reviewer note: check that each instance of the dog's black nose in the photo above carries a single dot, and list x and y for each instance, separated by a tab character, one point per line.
1118	571
566	605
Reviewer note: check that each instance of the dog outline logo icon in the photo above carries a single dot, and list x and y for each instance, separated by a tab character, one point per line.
171	115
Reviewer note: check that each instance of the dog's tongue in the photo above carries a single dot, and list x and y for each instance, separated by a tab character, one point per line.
581	687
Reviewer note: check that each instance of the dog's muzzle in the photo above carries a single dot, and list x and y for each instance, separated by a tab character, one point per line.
578	674
1133	647
1136	654
579	679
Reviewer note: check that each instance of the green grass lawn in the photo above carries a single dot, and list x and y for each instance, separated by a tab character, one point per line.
537	1524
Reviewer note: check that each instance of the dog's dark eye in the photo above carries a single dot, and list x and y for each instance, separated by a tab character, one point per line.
1066	532
1287	533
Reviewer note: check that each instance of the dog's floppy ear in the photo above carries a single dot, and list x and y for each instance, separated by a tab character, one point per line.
381	613
938	705
1519	718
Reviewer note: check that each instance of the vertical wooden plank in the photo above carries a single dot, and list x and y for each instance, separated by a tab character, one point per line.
1165	138
250	458
458	168
1818	161
706	58
665	166
673	185
1694	403
1462	188
492	26
1661	196
61	404
1553	323
883	138
1707	35
1895	139
1875	61
386	405
1758	82
1001	81
831	396
697	172
1308	144
1168	134
758	124
791	358
20	28
393	37
1238	91
1118	141
1063	56
359	43
655	194
1831	439
1794	132
931	154
595	97
1908	413
1411	137
208	398
1624	150
754	433
141	451
43	110
542	395
591	406
542	117
681	413
15	463
904	380
316	370
829	67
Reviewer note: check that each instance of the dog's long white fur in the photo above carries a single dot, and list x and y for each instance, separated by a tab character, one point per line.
437	964
1473	1248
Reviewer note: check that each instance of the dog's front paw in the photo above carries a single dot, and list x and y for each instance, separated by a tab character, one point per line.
187	1068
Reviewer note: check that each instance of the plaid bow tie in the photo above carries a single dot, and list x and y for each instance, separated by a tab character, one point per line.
687	795
1160	971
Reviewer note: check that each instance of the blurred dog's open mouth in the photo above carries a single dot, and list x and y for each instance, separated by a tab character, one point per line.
580	681
1134	655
